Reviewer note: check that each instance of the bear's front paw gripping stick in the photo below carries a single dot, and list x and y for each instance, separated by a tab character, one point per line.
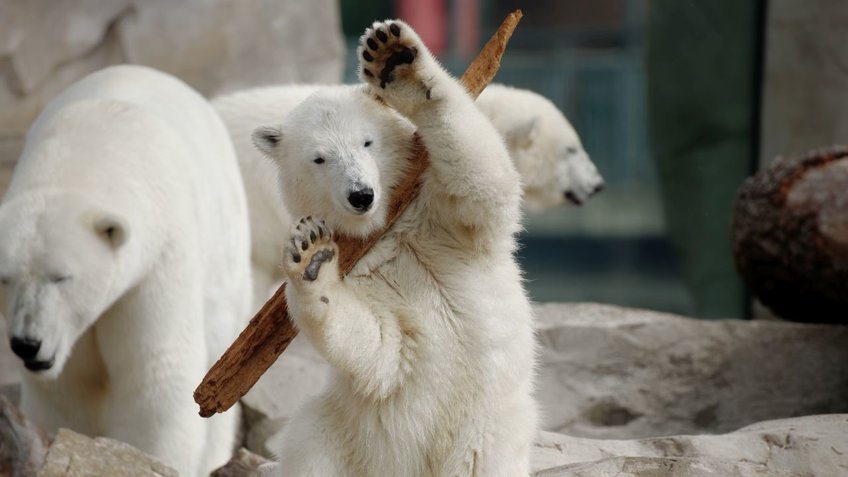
271	329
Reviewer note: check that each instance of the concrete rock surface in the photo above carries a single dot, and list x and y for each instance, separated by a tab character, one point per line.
806	446
618	373
23	446
243	464
214	45
611	372
75	455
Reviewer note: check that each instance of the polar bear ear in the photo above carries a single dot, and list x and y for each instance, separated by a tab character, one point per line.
267	138
112	229
523	135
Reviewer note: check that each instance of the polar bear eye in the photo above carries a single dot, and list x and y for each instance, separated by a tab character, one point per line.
59	278
571	150
367	143
319	160
4	281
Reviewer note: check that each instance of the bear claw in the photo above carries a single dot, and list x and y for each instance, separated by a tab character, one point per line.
387	54
310	247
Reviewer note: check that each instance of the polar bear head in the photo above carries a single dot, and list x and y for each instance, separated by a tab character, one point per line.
546	150
58	273
339	153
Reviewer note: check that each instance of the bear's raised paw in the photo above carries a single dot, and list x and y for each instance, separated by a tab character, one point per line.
310	247
387	52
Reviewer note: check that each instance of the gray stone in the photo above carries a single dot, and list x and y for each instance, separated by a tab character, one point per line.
75	455
243	464
610	372
807	446
214	45
23	446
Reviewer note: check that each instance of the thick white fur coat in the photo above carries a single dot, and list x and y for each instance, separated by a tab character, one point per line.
124	251
431	336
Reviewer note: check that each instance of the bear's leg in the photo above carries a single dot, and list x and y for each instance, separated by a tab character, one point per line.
467	155
363	342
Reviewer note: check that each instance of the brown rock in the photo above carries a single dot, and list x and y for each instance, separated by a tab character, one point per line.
790	236
75	455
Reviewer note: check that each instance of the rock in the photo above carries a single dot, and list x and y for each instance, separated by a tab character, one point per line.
243	464
23	446
214	45
610	372
814	446
73	455
790	236
617	373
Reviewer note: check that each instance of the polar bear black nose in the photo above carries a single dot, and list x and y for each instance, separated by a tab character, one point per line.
25	348
361	199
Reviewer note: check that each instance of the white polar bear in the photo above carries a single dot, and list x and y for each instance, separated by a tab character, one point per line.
544	146
431	335
124	260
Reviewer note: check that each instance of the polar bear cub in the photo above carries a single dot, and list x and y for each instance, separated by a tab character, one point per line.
431	335
124	263
545	148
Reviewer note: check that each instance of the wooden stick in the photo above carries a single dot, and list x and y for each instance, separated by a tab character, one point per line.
271	330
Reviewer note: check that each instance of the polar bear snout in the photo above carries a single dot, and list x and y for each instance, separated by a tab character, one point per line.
25	347
361	199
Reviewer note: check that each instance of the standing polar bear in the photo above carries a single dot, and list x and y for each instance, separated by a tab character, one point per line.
124	263
543	145
431	335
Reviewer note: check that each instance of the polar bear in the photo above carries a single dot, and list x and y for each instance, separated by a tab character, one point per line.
543	145
241	112
545	148
431	335
124	263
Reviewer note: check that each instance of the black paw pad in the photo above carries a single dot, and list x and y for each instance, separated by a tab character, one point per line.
310	274
401	57
381	35
395	29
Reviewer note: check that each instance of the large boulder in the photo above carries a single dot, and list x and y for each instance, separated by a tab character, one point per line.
73	454
611	372
814	446
214	45
617	373
790	235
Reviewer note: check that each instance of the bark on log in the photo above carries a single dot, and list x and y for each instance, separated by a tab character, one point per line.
790	236
271	329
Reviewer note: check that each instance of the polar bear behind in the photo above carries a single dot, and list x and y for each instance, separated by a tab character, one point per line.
124	263
543	145
545	148
431	335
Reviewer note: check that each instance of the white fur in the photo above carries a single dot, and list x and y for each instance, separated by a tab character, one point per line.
431	335
544	147
124	249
